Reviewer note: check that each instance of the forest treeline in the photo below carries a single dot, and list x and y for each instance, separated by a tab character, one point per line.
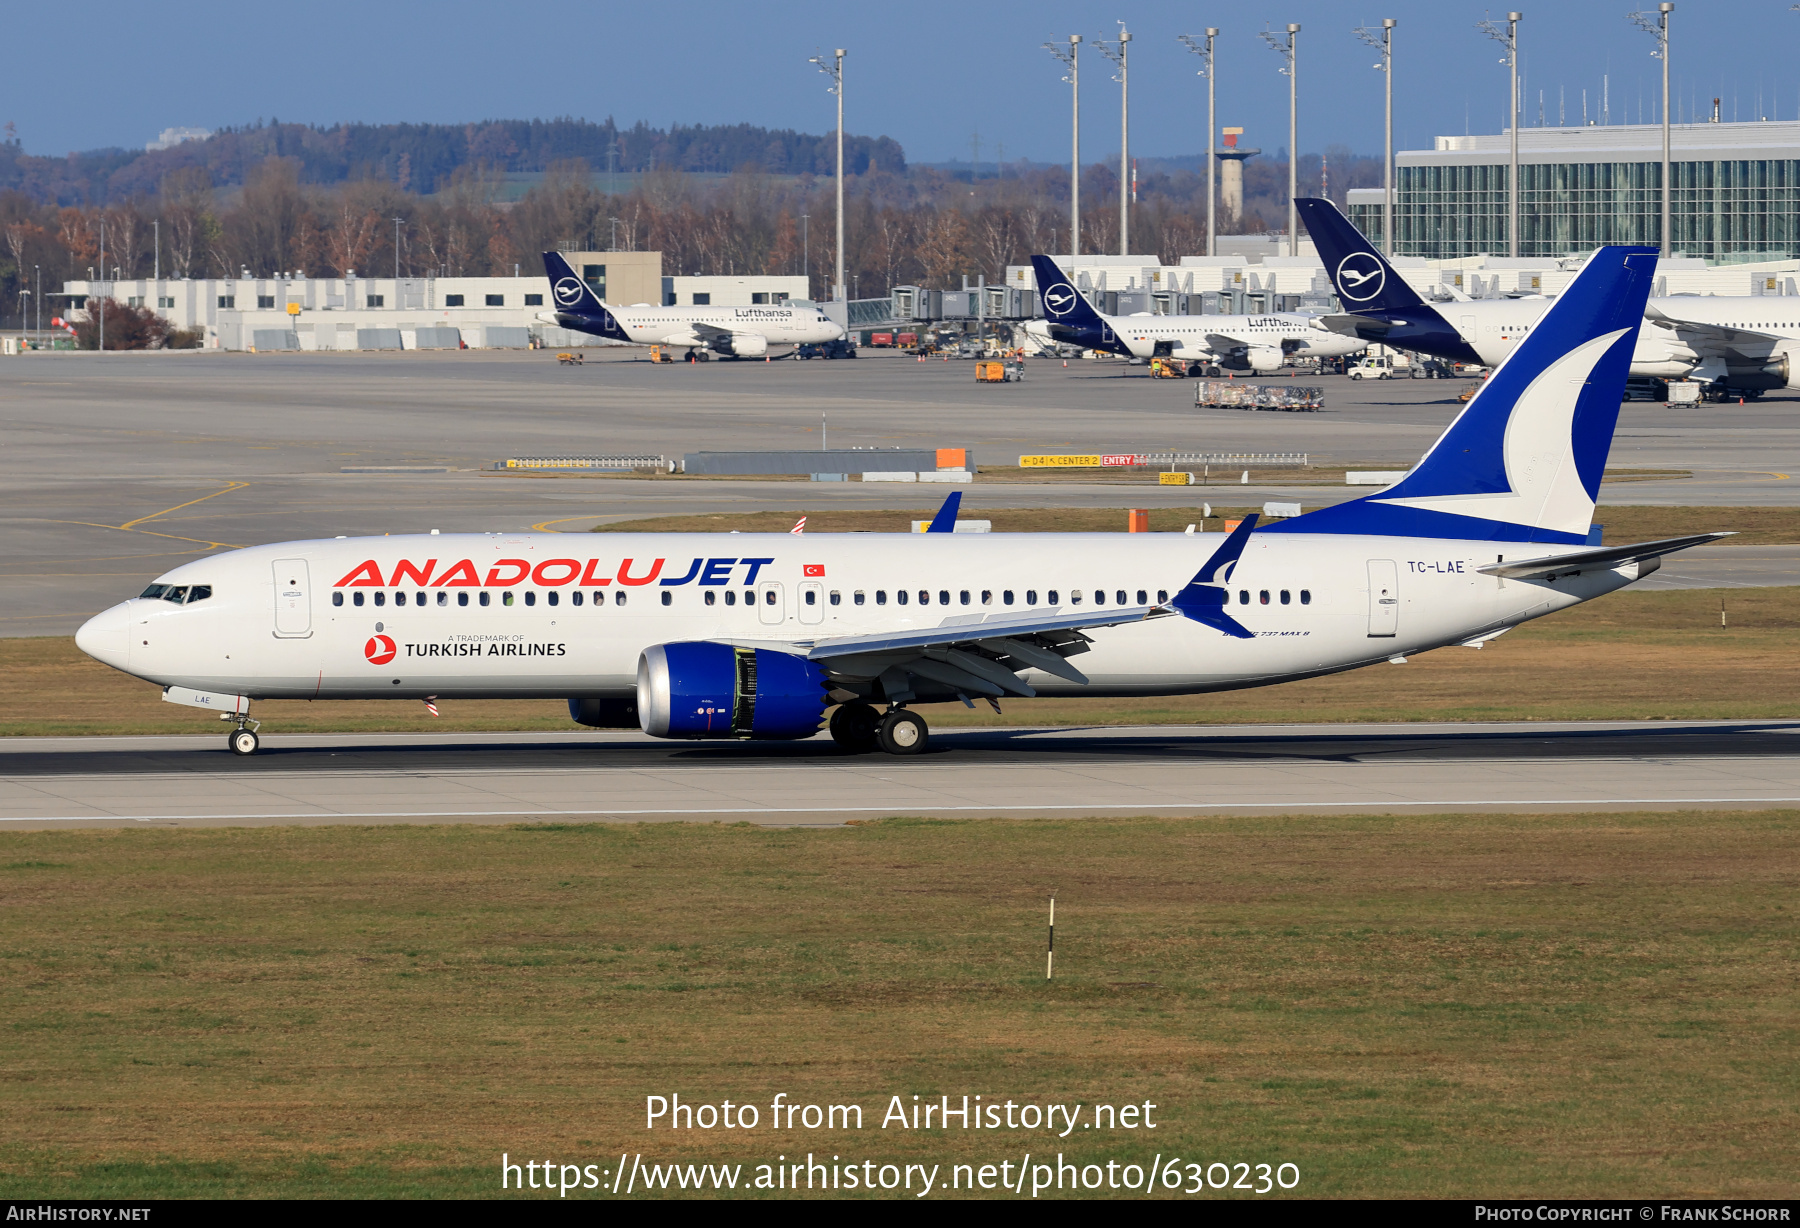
912	226
422	158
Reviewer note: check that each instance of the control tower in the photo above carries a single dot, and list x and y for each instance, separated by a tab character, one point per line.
1231	174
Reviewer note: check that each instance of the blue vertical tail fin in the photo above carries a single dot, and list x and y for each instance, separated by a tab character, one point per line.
1063	303
577	306
1523	460
1363	279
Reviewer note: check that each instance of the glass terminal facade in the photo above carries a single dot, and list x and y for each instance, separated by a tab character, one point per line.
1739	201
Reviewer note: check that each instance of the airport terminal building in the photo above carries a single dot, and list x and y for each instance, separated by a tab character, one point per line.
296	312
1736	192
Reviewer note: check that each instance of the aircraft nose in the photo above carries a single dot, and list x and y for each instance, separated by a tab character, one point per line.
106	637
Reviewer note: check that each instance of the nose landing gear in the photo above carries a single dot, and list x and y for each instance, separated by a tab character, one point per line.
243	739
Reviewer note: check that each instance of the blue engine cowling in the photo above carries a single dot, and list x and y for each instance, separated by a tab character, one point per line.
705	690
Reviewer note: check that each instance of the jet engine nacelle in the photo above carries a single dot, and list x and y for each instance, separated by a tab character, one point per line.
743	345
1259	358
699	689
1784	365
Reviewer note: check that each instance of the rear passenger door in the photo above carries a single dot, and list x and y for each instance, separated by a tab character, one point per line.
1384	597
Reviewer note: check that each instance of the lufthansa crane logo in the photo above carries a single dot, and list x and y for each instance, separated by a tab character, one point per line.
568	291
1059	299
380	650
1360	277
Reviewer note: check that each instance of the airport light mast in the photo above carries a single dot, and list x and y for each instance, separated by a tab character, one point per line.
1117	53
1658	28
1508	37
1074	79
835	70
1383	41
1287	49
1205	52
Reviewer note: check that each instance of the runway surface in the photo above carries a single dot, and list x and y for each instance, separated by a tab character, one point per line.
1013	773
120	466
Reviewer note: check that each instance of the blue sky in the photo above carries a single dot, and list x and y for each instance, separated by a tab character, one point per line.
928	73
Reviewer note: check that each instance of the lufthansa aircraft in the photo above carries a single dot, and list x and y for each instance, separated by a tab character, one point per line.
1238	343
756	635
730	332
1746	344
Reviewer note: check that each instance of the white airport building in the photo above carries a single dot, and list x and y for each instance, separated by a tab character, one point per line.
387	313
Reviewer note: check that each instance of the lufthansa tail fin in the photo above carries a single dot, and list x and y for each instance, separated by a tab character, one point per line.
1063	303
1522	462
1364	281
577	306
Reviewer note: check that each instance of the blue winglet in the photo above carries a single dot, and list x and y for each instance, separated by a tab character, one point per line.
945	520
1205	597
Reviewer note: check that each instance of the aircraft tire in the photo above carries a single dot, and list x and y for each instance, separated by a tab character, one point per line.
856	728
904	733
242	741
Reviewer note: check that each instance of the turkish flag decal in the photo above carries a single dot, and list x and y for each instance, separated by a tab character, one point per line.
813	569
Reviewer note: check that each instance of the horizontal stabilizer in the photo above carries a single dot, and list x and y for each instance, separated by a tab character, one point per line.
1603	559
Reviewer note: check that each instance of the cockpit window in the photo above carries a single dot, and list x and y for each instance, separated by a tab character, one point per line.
178	593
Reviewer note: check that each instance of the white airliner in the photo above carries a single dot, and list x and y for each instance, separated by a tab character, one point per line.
1743	344
756	635
1238	343
730	332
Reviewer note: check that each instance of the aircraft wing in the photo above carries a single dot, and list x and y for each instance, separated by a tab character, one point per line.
1719	334
983	654
1358	326
710	332
1218	342
1605	558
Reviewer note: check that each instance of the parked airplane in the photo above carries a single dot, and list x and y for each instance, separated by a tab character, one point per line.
1744	345
730	332
1238	343
756	635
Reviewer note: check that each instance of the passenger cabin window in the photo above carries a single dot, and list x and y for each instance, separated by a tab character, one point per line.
380	598
462	599
1031	596
812	598
1119	598
1006	597
619	598
881	596
599	598
900	597
530	597
1263	597
711	597
551	598
1143	597
769	597
1099	596
356	599
485	595
444	598
1243	596
1162	596
668	598
338	598
987	596
730	597
1287	598
1306	596
856	598
399	598
837	598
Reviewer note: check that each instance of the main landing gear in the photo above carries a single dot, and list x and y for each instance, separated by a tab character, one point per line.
858	728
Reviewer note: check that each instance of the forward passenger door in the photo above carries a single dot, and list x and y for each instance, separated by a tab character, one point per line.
293	600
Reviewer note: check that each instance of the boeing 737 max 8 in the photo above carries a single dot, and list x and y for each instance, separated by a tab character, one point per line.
756	635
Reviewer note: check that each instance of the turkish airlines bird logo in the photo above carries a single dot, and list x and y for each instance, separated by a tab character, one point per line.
1360	277
380	650
568	290
1058	299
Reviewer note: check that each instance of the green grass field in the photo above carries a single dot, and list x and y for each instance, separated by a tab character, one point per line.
1561	1005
